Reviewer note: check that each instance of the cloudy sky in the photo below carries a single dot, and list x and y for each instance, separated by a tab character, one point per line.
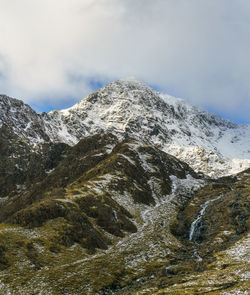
53	53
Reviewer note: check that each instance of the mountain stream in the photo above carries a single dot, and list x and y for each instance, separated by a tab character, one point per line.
197	223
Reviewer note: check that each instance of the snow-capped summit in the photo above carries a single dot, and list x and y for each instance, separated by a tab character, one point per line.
129	108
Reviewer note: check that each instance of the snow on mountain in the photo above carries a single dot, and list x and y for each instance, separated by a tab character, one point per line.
128	108
131	109
22	120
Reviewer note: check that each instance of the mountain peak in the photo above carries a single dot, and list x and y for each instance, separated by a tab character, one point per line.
132	81
126	85
129	108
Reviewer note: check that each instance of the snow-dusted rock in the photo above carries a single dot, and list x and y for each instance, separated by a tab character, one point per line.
22	120
128	108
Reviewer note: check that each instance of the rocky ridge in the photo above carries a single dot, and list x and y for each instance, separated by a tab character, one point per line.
208	143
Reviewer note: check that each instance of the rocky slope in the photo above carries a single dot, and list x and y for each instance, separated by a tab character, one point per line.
114	218
131	109
102	198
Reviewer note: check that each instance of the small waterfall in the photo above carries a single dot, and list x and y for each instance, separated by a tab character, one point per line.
196	255
196	223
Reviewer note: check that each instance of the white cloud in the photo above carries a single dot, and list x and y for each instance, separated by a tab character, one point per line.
197	49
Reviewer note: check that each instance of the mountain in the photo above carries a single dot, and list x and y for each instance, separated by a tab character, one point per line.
131	109
91	202
115	217
208	143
